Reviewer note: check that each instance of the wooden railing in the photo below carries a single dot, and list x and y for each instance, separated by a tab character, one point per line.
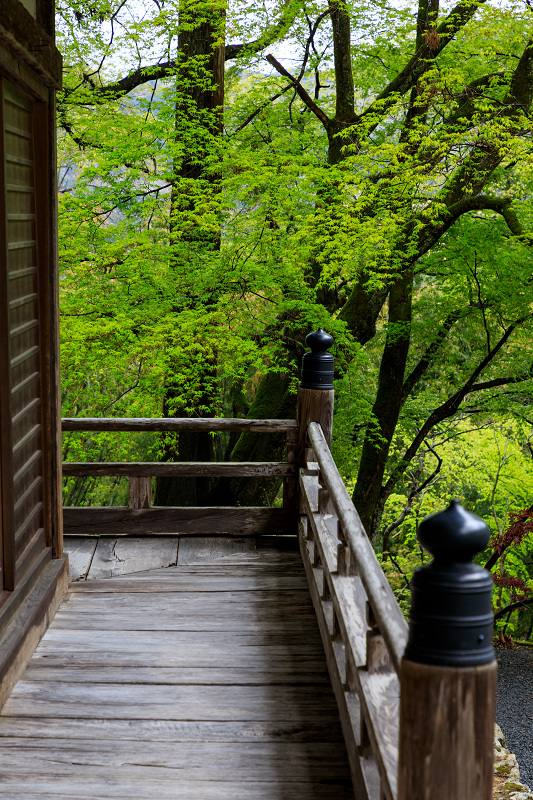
140	517
363	629
432	740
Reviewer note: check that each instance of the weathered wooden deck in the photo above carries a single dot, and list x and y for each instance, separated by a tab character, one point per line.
202	681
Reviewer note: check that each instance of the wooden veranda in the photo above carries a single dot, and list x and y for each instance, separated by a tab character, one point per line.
270	671
263	661
201	681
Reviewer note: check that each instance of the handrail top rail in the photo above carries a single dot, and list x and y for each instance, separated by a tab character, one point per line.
159	424
384	605
179	468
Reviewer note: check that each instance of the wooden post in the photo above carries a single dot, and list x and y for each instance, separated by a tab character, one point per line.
290	484
140	492
315	395
448	674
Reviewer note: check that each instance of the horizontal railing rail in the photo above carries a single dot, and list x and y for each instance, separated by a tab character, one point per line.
180	469
159	425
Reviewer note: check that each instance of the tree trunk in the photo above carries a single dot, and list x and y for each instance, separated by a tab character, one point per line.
200	67
387	406
273	400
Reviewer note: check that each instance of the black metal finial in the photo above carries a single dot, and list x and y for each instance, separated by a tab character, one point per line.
451	601
317	366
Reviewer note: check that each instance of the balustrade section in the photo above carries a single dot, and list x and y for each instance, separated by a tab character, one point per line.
140	517
363	629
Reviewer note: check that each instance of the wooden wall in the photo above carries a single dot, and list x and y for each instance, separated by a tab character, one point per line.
30	488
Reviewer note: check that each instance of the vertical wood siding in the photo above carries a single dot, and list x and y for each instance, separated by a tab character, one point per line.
21	431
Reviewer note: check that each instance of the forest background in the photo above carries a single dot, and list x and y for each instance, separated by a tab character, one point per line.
233	175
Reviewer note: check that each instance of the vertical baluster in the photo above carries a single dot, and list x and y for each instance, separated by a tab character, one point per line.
365	747
350	671
316	555
290	484
325	505
377	654
344	565
336	633
140	492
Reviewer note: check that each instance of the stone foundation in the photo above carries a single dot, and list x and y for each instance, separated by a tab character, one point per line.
507	784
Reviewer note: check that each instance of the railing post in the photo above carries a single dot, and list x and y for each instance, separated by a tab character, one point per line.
140	492
448	675
315	394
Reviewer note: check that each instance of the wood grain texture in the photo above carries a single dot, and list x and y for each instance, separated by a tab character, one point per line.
201	550
145	583
187	424
140	492
205	695
29	623
80	551
141	785
390	619
272	673
446	732
201	521
313	405
114	557
182	469
205	761
326	729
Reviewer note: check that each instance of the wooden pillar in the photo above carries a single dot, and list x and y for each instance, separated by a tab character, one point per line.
315	394
448	675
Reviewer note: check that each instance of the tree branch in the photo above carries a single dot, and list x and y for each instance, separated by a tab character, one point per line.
303	95
432	350
526	376
512	607
431	233
422	60
165	69
446	410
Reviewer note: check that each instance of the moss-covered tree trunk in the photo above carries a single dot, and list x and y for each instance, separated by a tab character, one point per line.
201	71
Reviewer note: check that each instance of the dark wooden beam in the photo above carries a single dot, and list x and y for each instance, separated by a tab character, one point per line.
187	424
205	521
187	469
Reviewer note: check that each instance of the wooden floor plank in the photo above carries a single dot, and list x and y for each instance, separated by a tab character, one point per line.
202	549
325	729
142	701
106	787
80	551
261	761
121	556
197	603
306	673
200	681
195	583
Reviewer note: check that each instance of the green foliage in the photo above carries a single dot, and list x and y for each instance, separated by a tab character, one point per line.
489	470
192	262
